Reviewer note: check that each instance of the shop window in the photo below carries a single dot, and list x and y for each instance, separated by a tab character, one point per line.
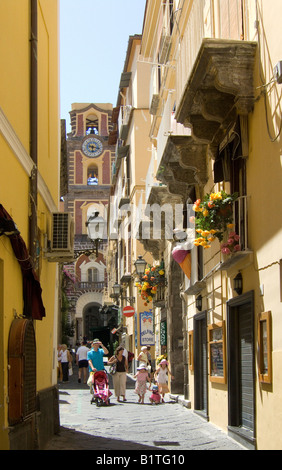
264	345
217	353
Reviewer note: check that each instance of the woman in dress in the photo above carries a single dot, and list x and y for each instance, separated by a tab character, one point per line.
119	378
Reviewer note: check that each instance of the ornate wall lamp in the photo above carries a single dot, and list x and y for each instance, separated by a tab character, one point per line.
238	284
199	303
140	266
95	230
118	294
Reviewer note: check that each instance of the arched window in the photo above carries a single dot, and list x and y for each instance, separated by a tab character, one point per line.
92	175
92	124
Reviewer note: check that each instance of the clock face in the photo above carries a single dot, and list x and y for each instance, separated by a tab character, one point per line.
92	147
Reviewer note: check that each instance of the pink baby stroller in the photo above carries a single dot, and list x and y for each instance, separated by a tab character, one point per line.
100	389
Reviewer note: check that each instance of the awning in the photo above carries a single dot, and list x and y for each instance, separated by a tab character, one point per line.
32	291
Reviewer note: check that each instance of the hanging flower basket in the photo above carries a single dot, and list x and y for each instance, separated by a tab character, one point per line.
214	215
154	276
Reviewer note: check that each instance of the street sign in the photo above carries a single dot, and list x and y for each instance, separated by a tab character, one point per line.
128	311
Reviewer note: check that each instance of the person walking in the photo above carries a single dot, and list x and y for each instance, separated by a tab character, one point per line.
119	378
59	358
142	378
66	361
95	356
82	362
143	356
161	377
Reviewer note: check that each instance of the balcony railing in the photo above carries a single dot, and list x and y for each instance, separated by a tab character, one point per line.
93	286
240	215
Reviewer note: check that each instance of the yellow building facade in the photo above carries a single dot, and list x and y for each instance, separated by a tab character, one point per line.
215	105
29	195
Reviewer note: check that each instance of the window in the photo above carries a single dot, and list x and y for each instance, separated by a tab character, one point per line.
93	275
264	347
92	125
217	352
190	350
92	175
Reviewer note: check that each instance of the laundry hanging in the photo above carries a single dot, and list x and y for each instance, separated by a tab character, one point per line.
32	291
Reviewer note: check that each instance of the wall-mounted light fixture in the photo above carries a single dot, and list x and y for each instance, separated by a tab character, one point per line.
118	294
95	230
238	284
199	303
140	266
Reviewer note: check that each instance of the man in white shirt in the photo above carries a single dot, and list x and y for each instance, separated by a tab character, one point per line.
82	362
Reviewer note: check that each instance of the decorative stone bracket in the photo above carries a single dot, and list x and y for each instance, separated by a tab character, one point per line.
219	89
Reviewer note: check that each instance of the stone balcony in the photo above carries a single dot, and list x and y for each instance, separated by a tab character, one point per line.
219	89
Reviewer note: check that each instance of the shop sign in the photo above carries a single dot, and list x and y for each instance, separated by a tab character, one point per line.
147	335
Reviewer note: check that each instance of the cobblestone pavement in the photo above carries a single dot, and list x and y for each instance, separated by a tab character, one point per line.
125	426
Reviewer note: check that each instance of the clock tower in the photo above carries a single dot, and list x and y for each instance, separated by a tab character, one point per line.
89	162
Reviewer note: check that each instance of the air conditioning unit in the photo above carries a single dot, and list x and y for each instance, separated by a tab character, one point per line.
61	245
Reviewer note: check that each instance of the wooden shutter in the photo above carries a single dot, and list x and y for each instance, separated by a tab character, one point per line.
22	370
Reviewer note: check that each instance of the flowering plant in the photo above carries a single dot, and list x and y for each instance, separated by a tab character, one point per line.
160	358
148	285
213	216
232	245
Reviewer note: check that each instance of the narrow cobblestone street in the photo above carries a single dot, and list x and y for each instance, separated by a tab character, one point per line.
129	426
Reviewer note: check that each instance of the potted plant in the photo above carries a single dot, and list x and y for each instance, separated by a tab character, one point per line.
232	245
214	215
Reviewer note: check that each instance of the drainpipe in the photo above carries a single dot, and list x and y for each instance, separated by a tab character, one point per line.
33	133
242	21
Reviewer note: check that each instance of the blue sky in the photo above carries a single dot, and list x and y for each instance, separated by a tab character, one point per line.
93	43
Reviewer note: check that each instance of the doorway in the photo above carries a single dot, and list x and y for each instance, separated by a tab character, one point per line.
241	368
200	364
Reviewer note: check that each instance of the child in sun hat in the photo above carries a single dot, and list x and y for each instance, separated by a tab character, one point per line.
161	377
141	382
155	396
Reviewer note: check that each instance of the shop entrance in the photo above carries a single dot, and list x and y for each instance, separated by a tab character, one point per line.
200	364
241	367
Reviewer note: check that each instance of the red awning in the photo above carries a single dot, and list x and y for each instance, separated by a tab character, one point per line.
32	291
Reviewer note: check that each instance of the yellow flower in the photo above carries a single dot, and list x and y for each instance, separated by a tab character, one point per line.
215	196
205	213
230	226
161	272
207	246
